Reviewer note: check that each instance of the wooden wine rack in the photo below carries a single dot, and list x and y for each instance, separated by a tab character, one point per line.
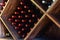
51	15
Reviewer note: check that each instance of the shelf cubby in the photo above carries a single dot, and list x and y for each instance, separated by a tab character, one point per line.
49	32
24	13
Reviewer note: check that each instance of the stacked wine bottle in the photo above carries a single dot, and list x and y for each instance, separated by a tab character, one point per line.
2	4
45	4
24	17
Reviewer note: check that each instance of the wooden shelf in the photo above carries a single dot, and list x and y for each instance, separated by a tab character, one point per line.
51	15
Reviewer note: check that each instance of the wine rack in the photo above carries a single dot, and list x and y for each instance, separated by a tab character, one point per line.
30	19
